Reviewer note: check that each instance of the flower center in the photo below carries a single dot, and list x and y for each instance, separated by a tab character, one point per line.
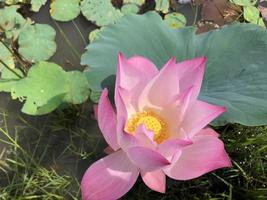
151	121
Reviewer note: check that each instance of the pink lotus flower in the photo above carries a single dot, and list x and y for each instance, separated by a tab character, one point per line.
158	129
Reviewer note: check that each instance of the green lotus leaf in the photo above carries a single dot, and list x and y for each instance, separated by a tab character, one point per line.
64	10
175	20
11	22
37	42
6	57
236	70
46	87
162	6
130	8
137	2
252	14
101	12
37	4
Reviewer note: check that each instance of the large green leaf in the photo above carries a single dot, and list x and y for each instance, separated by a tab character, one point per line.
47	86
64	10
37	42
236	69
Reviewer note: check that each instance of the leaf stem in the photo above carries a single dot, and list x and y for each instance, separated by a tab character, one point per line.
13	71
18	58
79	31
67	40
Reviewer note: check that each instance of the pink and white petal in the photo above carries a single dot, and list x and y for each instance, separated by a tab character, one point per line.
107	120
199	115
207	131
170	147
206	154
173	113
133	75
145	137
125	140
146	159
193	73
155	180
162	89
109	178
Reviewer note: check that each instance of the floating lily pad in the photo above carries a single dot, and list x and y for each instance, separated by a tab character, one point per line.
130	9
37	4
77	87
64	10
47	86
252	14
11	22
162	6
37	42
6	57
137	2
175	20
244	2
101	12
236	70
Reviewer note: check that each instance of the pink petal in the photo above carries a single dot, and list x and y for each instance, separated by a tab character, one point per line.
107	120
192	75
146	159
206	154
169	148
199	115
173	113
155	180
108	150
171	80
162	89
125	140
109	178
145	137
132	76
207	131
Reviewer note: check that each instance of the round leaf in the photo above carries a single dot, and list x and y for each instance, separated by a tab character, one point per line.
11	22
129	8
46	87
77	87
175	20
236	70
64	10
37	42
252	14
101	12
137	2
162	6
37	4
244	2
